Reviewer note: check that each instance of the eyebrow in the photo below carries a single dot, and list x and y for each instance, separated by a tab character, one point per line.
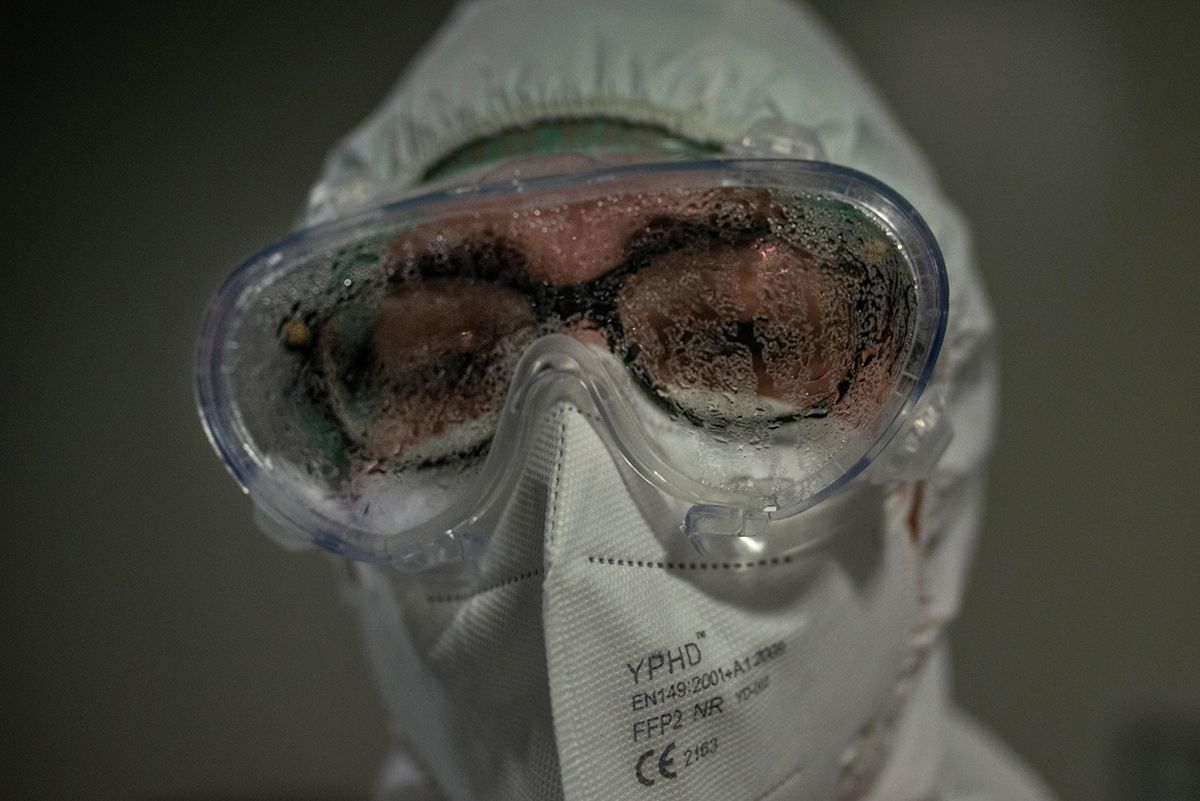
491	257
669	234
484	256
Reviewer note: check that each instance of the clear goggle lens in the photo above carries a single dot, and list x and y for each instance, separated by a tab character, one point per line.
755	332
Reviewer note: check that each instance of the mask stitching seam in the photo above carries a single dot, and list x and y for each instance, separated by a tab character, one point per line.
551	528
674	565
558	786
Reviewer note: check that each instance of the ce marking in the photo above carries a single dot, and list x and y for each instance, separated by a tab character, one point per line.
665	763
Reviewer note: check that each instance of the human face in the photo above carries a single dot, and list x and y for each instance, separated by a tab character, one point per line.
708	298
749	334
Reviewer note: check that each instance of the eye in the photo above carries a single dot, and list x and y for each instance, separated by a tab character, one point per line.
423	377
763	329
425	324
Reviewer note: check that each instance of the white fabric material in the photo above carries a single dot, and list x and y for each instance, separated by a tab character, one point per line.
780	662
473	684
523	687
596	637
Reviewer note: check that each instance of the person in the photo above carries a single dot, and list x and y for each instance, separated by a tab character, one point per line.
641	375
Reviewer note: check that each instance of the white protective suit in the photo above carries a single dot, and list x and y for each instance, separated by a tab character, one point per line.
707	71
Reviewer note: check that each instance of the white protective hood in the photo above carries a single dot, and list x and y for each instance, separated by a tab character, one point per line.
707	71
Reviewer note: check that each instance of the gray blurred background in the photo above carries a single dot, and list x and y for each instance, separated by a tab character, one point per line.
157	646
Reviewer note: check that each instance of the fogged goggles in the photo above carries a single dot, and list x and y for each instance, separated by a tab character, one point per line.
747	336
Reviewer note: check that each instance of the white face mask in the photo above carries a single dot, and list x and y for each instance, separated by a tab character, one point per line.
598	655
